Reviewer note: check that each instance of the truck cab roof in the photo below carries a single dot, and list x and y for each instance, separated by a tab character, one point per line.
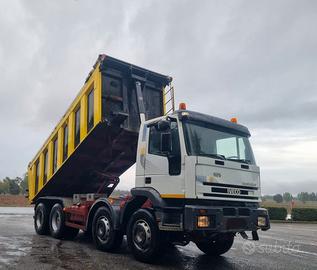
212	120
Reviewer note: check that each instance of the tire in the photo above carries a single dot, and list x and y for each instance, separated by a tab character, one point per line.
143	236
41	219
217	246
104	236
57	222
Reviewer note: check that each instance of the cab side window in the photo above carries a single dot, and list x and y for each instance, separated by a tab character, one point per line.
155	141
174	155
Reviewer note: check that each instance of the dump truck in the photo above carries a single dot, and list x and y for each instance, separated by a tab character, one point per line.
196	178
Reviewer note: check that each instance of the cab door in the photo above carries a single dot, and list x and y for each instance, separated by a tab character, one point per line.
163	161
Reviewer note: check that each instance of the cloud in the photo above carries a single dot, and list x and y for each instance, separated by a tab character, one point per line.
250	59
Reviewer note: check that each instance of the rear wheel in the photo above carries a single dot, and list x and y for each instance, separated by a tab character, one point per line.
217	246
41	219
143	236
57	222
105	237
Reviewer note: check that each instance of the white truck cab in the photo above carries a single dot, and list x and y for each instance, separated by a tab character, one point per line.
199	175
194	156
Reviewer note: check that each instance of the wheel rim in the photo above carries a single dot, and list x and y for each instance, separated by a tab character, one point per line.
103	229
39	219
56	221
142	235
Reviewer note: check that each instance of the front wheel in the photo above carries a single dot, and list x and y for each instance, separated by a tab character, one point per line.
216	246
104	235
143	236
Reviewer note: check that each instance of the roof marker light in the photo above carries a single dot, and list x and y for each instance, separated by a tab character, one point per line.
182	106
234	120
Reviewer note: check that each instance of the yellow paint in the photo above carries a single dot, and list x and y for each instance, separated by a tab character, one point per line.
61	144
97	96
94	82
33	177
31	182
172	196
50	161
41	176
59	147
71	133
83	118
71	109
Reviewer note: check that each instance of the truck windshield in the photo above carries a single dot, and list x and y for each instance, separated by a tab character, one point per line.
203	139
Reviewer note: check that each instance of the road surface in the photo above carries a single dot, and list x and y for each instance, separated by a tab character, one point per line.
285	246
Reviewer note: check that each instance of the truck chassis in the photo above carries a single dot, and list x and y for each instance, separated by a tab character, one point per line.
148	221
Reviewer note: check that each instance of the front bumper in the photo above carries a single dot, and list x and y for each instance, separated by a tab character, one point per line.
225	219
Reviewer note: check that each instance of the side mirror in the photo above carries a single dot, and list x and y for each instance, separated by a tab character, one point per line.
163	125
166	143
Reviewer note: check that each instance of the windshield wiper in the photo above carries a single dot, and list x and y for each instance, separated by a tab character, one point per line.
246	161
213	155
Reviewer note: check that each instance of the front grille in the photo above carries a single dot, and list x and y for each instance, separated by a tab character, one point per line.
225	190
229	185
230	191
231	196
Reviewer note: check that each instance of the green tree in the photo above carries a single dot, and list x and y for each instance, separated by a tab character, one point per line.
11	186
303	197
24	184
14	187
287	197
4	187
313	196
278	198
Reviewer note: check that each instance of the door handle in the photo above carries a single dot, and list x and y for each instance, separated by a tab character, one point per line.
148	180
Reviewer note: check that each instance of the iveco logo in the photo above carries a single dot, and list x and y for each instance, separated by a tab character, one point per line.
233	191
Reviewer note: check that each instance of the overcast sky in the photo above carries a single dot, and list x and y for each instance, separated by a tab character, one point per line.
256	60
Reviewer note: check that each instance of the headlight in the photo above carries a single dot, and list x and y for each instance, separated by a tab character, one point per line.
262	222
203	221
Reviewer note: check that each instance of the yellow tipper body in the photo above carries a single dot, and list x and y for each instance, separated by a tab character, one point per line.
96	139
